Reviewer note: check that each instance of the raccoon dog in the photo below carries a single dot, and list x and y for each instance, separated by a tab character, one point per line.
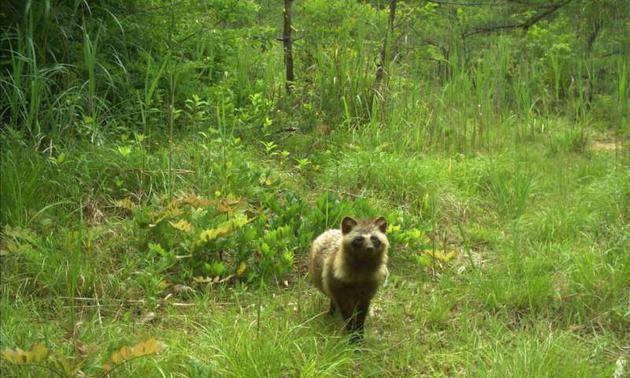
348	265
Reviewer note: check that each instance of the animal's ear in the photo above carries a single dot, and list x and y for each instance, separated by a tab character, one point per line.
347	224
381	223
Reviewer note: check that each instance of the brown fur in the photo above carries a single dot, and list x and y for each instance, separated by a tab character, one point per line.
348	266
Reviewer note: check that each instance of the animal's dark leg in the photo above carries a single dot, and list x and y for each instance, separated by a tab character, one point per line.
348	313
358	321
355	320
333	308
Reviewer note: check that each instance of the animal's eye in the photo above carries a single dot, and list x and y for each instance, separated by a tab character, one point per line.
375	240
357	240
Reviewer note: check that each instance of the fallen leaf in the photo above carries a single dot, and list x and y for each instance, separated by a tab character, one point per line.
182	289
241	268
148	317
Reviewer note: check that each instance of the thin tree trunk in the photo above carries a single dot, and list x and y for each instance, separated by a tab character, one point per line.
287	42
597	27
380	70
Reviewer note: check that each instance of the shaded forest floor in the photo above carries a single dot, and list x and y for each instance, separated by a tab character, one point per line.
517	265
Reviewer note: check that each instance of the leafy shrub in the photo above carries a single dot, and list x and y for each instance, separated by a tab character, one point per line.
70	366
231	238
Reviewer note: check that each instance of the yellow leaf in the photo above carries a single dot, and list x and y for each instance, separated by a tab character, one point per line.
240	220
224	228
415	234
171	212
195	201
213	233
37	353
182	225
125	203
440	255
393	228
124	354
200	279
241	268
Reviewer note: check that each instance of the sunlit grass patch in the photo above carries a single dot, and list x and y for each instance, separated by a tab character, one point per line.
538	354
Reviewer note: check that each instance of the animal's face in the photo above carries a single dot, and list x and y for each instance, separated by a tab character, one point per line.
364	236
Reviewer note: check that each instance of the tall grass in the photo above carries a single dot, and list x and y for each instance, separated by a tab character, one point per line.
90	48
21	186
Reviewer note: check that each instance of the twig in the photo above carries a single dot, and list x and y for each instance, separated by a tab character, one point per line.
522	25
98	308
459	4
466	249
112	299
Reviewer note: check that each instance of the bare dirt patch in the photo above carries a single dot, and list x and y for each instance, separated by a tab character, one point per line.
605	145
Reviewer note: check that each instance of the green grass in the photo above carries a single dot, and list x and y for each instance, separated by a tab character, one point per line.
419	328
538	286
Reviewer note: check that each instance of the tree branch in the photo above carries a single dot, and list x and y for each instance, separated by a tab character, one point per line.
522	25
532	5
460	4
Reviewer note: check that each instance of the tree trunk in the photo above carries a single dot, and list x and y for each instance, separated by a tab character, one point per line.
287	42
597	27
380	69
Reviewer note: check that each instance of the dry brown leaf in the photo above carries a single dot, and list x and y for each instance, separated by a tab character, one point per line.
182	289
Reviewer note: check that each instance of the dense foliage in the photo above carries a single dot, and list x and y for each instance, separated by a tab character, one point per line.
94	69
